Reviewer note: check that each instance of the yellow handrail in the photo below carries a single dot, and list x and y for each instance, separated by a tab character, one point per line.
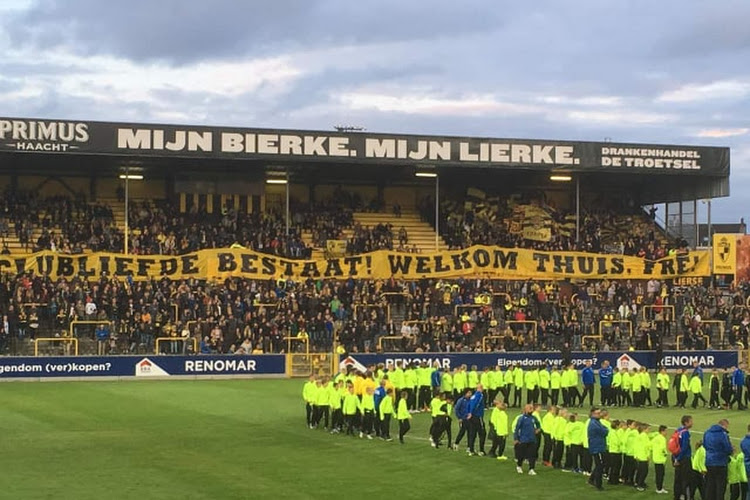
73	340
174	339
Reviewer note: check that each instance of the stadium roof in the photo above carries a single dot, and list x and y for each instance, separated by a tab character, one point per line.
658	172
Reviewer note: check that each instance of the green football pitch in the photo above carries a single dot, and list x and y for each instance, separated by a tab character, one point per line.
246	439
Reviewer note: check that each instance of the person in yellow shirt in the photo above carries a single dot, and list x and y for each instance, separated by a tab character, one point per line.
548	426
386	413
558	437
659	455
662	386
642	454
404	416
367	410
334	402
308	395
696	389
349	408
498	430
646	387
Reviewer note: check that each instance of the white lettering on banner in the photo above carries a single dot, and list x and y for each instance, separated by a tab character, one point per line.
220	365
444	363
286	144
390	148
22	368
180	140
688	360
535	154
674	159
52	137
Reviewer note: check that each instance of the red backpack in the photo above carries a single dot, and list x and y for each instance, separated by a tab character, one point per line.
673	445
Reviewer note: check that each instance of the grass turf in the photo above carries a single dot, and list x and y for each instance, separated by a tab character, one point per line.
239	439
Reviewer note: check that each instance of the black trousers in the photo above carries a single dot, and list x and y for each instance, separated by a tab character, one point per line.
697	396
476	428
683	471
544	395
463	428
737	397
588	390
663	397
309	412
547	449
385	426
555	396
411	398
321	413
586	460
526	451
598	472
713	399
738	491
641	473
646	396
349	419
659	470
403	427
615	467
337	419
628	469
557	453
532	396
697	483
424	396
604	391
438	428
498	443
368	419
716	483
565	396
517	396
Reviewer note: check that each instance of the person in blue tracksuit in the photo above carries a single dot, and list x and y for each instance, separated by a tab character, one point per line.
697	371
718	450
738	384
378	396
436	379
597	434
587	377
475	420
682	461
745	448
462	411
606	373
524	438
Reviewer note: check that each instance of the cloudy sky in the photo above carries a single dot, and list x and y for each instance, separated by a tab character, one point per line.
670	71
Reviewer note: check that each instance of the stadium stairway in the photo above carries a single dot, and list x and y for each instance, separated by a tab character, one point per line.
419	233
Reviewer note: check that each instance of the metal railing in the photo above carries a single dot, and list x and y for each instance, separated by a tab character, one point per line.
64	340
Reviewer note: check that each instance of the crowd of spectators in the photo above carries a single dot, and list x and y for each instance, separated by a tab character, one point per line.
241	315
499	221
58	223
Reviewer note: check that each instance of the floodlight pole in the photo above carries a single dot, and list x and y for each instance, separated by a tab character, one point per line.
710	238
127	195
578	209
437	213
287	201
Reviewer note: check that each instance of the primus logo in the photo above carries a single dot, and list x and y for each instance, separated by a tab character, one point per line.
31	135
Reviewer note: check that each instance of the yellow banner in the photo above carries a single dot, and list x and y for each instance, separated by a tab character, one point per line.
336	248
725	253
477	261
537	233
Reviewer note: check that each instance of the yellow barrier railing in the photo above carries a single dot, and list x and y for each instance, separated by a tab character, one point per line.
611	324
487	338
66	340
714	325
176	339
584	338
531	323
657	310
393	337
77	322
304	340
678	339
387	307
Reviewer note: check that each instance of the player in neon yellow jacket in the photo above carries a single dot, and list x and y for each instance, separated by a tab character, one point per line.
403	416
498	430
642	454
659	456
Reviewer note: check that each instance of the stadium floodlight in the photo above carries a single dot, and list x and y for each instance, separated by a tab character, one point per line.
426	174
131	177
276	181
560	178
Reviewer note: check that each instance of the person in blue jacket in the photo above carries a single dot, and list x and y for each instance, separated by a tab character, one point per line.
738	383
745	448
718	451
597	434
587	377
475	420
436	379
683	468
697	371
462	411
606	373
524	439
377	397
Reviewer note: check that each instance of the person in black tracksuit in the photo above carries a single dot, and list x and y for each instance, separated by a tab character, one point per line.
714	385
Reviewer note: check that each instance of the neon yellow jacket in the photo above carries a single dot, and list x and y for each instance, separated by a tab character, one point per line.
486	379
555	380
684	384
499	420
617	380
696	386
659	452
630	435
532	379
736	470
626	381
446	382
334	397
473	379
642	447
386	407
308	392
544	378
460	381
509	377
350	404
662	381
558	430
699	460
403	410
397	378
518	377
548	423
635	382
646	380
